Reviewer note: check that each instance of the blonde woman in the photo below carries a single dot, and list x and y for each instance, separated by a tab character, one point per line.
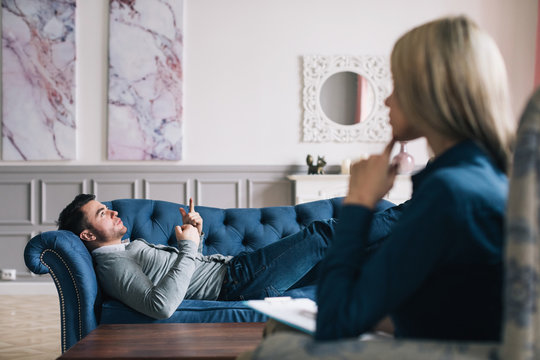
439	274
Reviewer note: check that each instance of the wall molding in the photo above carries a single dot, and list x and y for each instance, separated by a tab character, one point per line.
150	168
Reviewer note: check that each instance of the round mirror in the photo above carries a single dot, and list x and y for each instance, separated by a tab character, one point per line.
347	98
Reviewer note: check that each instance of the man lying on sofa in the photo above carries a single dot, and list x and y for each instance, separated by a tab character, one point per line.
154	279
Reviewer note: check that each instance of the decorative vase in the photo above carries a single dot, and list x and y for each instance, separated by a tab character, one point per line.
404	160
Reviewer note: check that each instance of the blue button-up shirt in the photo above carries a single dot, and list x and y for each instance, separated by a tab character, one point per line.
434	264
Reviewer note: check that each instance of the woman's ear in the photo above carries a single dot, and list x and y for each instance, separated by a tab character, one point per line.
87	235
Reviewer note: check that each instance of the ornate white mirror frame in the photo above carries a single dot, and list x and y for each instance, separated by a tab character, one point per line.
317	127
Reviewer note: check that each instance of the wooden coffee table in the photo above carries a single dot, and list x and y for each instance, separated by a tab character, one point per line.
168	341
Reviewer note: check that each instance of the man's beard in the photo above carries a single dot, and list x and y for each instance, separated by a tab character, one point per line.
113	234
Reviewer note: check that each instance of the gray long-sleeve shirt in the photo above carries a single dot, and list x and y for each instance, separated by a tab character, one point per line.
154	279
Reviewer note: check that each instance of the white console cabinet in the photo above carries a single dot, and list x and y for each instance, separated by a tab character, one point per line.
317	187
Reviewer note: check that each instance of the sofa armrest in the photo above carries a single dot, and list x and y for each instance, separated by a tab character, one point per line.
66	259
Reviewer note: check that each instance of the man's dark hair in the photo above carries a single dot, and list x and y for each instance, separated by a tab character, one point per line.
72	218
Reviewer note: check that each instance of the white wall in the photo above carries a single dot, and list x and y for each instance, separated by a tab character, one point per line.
242	66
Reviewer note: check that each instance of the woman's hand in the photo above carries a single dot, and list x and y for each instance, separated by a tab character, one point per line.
371	179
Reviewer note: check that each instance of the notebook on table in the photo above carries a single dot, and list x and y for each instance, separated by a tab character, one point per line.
298	313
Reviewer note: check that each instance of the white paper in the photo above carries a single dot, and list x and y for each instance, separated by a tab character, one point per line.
299	313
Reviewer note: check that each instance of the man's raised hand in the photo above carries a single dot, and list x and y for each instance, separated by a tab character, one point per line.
192	217
187	232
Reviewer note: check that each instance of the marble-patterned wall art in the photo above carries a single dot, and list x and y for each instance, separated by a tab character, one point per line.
38	79
145	80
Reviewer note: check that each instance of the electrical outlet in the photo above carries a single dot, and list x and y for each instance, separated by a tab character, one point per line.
8	274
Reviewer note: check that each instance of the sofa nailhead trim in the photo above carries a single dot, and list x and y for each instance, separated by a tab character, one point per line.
61	294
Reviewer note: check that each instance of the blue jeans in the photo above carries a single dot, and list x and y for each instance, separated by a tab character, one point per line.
286	264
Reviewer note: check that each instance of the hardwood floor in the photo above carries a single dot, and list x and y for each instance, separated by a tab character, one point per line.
29	327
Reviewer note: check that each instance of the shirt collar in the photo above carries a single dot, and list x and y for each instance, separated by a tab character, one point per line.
465	152
109	249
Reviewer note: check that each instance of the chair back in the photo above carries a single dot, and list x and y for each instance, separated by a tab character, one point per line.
521	334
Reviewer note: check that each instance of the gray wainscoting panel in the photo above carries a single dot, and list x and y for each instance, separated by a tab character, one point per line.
115	189
55	195
263	193
219	193
168	190
17	202
27	209
11	250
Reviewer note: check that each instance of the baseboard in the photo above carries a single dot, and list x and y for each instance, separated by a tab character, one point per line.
27	288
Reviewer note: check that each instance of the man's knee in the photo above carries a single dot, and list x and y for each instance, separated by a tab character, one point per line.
325	228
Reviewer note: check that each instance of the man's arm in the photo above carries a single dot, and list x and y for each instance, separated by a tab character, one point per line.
124	279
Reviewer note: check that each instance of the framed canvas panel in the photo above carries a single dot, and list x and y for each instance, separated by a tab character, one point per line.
145	80
38	80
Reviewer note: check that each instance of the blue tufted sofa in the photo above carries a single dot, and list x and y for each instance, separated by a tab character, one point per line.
228	231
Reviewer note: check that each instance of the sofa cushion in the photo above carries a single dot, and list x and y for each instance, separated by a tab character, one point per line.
194	311
189	311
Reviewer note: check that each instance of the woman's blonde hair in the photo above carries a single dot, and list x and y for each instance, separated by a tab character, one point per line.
450	76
